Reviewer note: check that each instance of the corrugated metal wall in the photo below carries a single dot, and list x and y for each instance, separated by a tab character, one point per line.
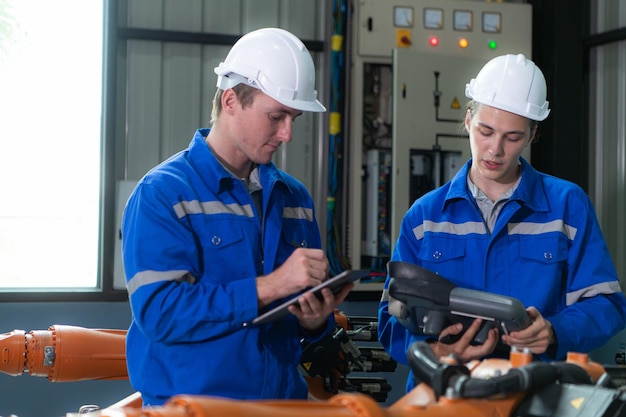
167	88
166	53
608	130
607	136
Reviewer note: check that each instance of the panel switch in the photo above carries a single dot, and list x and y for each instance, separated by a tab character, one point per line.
403	38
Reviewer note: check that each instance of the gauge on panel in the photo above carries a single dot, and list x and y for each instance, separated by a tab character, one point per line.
403	16
433	18
462	20
492	22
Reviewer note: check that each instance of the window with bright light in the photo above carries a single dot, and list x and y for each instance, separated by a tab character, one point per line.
50	116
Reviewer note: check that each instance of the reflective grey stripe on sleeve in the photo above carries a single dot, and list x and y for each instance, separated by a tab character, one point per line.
528	228
150	277
459	229
298	213
211	207
611	287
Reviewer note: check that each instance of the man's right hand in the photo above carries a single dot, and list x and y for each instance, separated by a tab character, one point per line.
305	268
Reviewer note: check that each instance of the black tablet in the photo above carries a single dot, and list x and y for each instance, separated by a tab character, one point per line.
335	283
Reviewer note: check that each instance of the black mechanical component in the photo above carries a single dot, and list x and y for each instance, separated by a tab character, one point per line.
363	328
571	400
377	388
554	389
337	355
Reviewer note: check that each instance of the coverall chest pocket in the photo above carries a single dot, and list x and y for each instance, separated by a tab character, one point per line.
542	271
225	242
443	256
548	252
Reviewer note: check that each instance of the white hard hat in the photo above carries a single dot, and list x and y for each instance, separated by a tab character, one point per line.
512	83
277	63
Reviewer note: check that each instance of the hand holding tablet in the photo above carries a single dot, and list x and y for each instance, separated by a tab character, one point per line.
335	284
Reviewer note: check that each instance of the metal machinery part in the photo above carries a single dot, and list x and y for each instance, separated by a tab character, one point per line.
69	353
65	353
329	365
514	387
517	387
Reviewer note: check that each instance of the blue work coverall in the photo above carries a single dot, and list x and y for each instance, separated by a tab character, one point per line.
193	246
546	249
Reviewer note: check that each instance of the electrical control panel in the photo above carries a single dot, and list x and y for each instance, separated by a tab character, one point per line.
409	63
461	28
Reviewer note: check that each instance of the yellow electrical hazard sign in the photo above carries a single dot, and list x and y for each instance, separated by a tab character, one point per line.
307	365
577	402
455	104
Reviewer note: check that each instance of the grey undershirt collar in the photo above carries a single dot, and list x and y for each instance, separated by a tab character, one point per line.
490	209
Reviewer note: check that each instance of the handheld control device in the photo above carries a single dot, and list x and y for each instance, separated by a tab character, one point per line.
430	303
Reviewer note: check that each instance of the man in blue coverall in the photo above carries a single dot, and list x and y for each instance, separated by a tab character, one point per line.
216	235
500	226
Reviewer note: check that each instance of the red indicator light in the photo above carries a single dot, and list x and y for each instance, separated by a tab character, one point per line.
434	41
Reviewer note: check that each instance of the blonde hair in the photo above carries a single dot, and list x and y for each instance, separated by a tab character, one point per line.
245	95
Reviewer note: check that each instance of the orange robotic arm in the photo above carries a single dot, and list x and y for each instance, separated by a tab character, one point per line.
65	353
68	353
418	403
493	387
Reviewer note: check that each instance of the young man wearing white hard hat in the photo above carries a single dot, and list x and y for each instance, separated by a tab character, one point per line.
502	227
217	234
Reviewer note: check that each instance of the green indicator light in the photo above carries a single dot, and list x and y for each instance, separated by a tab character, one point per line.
493	44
